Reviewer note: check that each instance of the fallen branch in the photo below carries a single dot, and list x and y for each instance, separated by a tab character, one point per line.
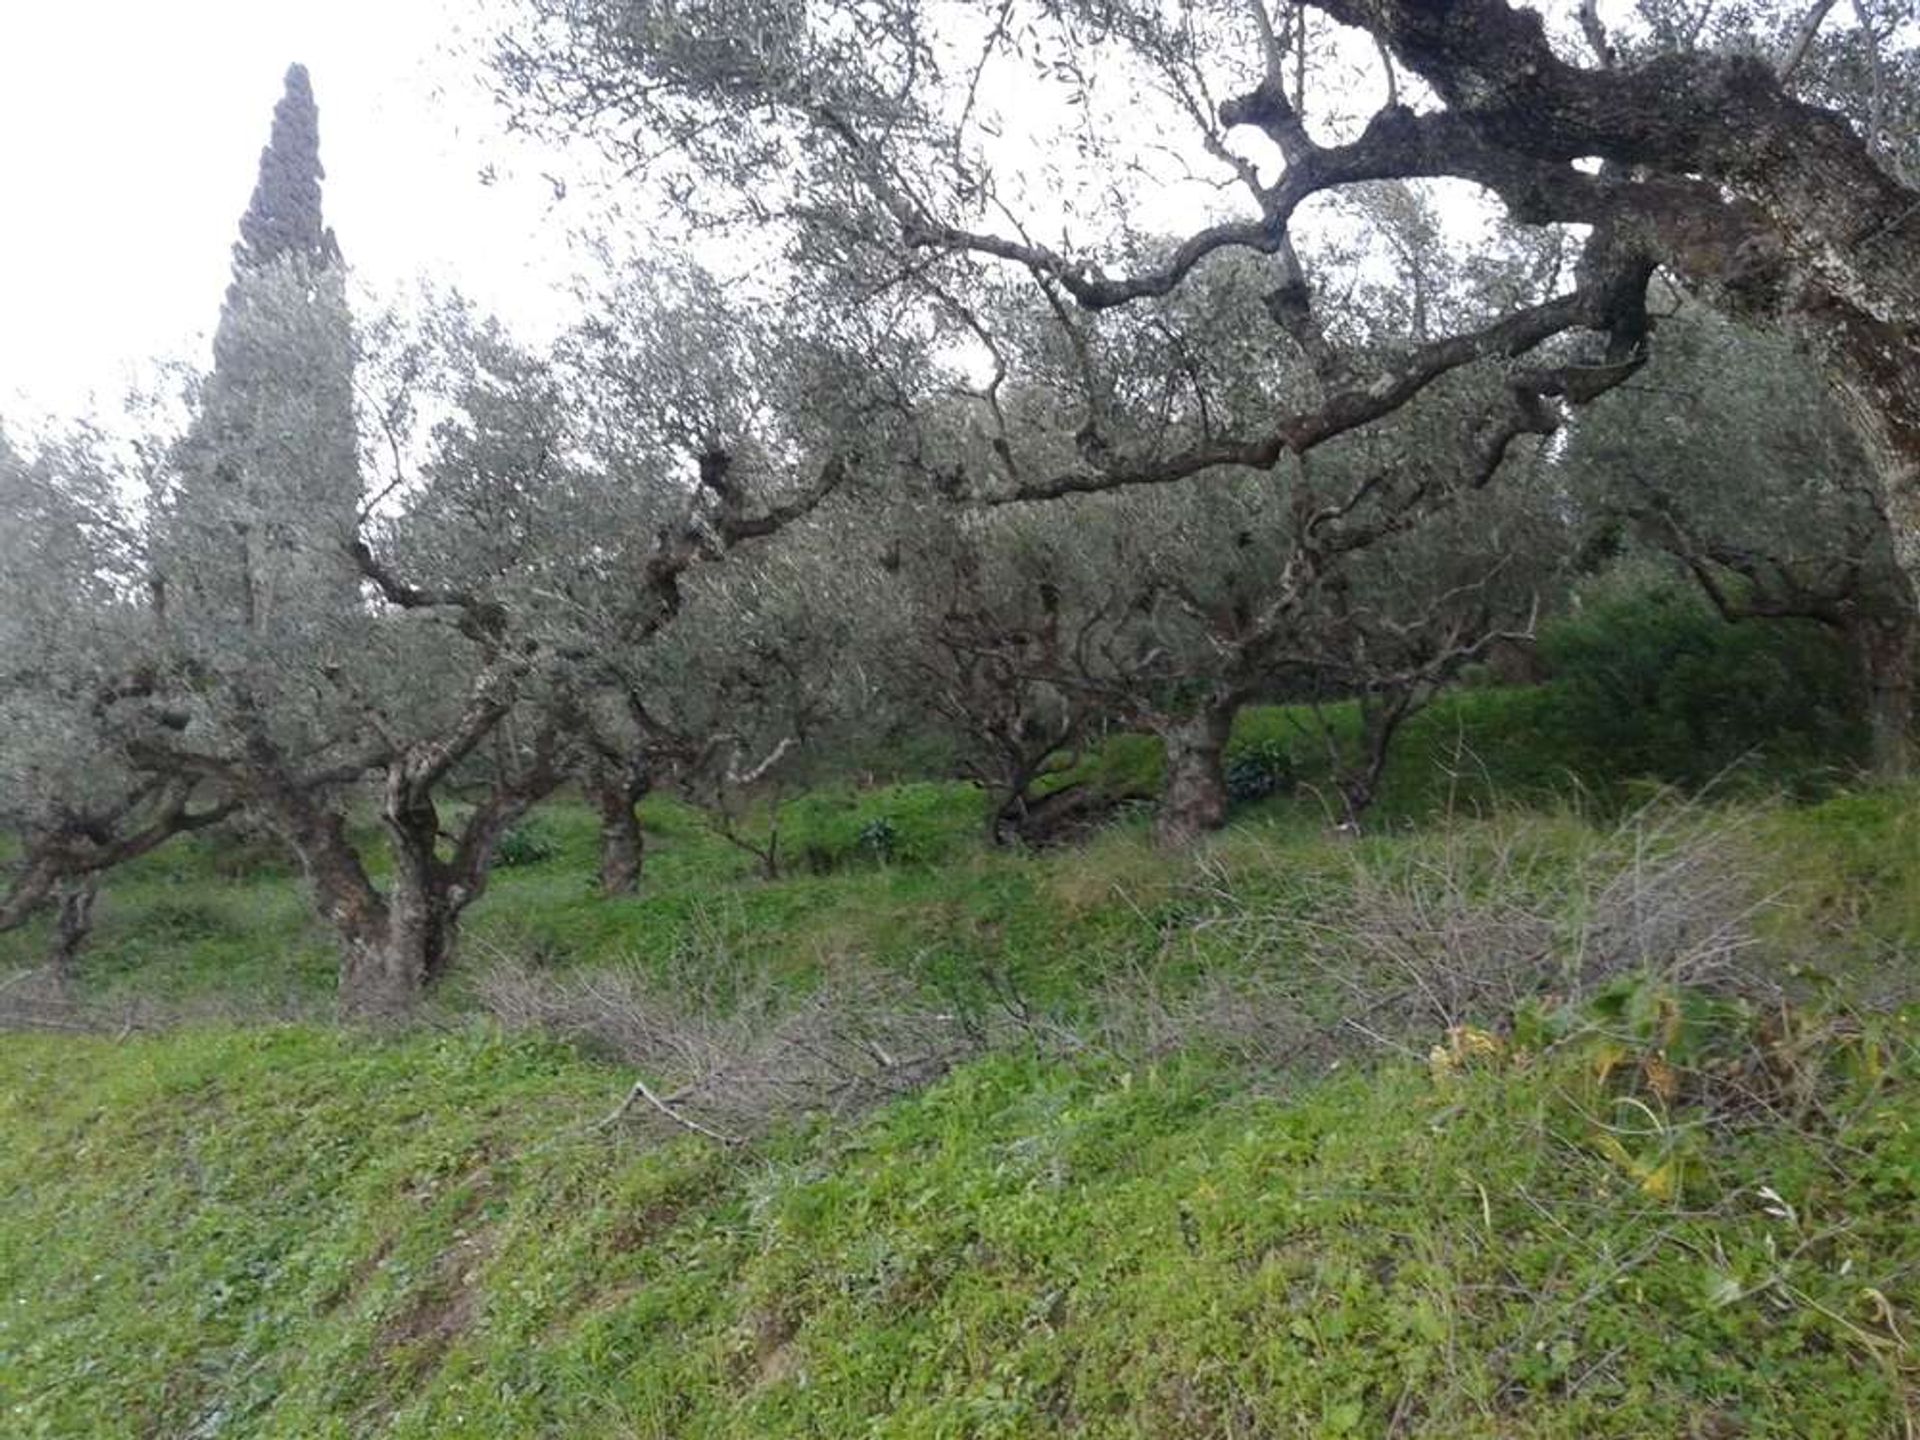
640	1091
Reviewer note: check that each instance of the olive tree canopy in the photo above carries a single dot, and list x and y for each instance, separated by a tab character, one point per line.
1109	153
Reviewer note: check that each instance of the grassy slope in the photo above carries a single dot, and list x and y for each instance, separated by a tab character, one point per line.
290	1232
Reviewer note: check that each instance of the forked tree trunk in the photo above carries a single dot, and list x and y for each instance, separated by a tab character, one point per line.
397	945
1005	809
390	963
1193	796
422	913
404	944
377	983
1008	803
390	945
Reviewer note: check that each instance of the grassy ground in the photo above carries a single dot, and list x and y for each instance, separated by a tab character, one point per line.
1637	1214
287	1231
897	874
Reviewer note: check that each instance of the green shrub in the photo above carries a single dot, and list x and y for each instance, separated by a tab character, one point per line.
1258	770
879	837
1656	685
531	842
185	918
921	823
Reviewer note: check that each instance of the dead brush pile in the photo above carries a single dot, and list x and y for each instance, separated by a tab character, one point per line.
1401	944
739	1054
1641	941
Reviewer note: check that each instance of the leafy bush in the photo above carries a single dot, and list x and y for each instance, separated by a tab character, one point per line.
879	836
924	823
1260	770
185	918
1656	685
531	842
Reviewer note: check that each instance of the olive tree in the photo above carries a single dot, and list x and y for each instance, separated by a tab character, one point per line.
683	386
1173	607
1174	610
765	677
1115	152
498	535
972	630
74	629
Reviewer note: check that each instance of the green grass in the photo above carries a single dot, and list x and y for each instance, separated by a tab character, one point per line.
178	928
294	1232
289	1230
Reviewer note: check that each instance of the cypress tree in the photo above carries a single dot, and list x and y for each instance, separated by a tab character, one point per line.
269	482
284	216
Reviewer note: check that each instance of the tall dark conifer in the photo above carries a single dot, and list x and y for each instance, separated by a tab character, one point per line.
269	483
284	216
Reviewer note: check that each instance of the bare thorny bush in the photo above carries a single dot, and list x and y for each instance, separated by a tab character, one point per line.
1387	949
38	998
735	1054
1391	950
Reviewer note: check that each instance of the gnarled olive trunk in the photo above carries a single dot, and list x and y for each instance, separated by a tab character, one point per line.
1006	808
622	842
1010	800
72	924
393	946
622	846
380	980
1883	646
1193	795
423	902
387	964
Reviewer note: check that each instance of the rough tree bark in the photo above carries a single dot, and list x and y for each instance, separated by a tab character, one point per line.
1193	797
73	923
1883	648
395	947
395	944
1773	207
622	842
1007	804
375	982
1014	813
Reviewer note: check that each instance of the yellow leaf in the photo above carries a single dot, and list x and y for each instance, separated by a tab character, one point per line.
1467	1041
1606	1057
1664	1079
1662	1181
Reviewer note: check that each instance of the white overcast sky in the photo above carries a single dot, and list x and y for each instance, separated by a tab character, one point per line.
129	135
